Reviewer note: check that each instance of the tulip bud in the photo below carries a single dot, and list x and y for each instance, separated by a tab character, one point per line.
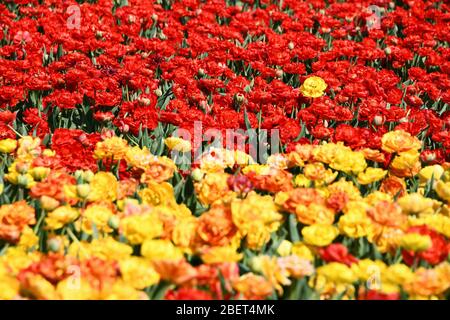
388	50
279	73
124	128
99	34
131	18
54	244
430	157
201	72
291	45
154	17
49	203
255	264
113	222
88	175
158	92
83	190
145	101
240	98
197	175
23	180
22	167
40	173
378	120
78	174
285	248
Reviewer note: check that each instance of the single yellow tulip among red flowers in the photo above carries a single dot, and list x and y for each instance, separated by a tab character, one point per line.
313	87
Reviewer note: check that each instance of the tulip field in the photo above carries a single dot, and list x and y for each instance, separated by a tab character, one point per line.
224	150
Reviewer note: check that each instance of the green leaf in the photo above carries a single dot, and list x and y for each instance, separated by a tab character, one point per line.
293	229
246	120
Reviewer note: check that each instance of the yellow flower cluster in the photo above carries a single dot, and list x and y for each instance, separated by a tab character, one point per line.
115	233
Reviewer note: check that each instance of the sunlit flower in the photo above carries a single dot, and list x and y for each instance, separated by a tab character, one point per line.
313	87
113	148
319	234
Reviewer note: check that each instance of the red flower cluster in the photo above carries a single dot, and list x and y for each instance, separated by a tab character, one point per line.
130	66
437	253
337	252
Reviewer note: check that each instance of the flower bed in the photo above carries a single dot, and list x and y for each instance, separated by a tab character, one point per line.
224	149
